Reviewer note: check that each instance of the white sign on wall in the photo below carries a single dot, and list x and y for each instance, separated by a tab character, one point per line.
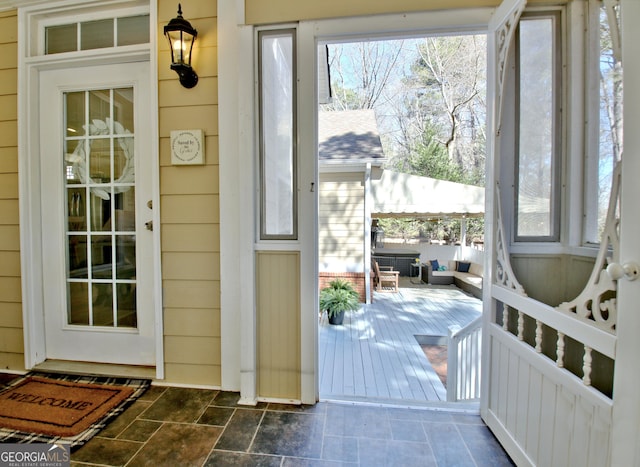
187	147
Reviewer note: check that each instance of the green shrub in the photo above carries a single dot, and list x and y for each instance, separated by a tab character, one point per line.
339	296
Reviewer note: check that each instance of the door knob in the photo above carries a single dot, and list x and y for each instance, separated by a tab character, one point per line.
149	225
629	270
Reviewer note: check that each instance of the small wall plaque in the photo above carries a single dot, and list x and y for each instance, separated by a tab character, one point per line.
187	147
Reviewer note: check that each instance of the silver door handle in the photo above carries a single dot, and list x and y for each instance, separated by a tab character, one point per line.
149	225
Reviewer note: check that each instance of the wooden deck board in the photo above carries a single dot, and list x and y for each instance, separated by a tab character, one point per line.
375	356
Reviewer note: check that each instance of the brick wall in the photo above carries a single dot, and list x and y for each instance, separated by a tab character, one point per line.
356	278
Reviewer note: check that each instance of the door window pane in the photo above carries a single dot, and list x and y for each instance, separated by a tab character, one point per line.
277	135
78	299
100	160
75	107
123	110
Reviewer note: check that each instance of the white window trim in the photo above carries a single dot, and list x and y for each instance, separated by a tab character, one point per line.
30	27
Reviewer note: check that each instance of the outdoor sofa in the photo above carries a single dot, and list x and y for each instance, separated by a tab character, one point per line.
464	274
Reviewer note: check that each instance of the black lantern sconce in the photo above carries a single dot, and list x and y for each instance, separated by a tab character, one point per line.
181	37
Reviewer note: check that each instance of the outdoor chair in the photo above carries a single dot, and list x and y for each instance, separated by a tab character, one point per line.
386	279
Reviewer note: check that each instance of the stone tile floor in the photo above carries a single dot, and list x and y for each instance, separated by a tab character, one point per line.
176	427
171	426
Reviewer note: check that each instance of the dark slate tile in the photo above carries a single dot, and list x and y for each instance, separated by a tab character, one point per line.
240	430
448	446
106	451
407	430
237	459
362	422
152	394
216	416
388	453
340	448
484	447
180	405
117	426
140	430
177	444
289	434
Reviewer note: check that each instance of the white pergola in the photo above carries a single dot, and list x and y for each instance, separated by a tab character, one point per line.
401	195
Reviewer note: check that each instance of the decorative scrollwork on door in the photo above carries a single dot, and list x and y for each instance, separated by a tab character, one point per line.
597	302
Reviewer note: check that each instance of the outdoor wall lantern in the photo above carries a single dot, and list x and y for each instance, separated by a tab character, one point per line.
181	37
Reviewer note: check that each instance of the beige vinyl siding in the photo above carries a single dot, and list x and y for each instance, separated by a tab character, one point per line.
278	322
341	223
189	202
11	333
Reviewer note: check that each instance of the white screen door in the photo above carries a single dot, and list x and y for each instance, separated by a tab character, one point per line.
96	183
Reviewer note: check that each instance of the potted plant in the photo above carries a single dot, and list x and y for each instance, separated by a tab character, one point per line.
339	296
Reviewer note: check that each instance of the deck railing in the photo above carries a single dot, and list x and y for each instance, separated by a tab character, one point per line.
463	361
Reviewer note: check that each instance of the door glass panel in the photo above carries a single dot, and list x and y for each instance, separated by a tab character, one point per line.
100	160
76	209
123	163
99	110
99	167
102	304
101	256
78	256
75	108
125	210
78	298
100	209
123	110
127	305
126	251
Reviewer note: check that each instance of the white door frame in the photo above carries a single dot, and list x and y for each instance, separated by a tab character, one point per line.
29	174
238	184
134	346
625	449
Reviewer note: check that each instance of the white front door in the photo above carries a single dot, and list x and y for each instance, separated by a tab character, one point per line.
95	171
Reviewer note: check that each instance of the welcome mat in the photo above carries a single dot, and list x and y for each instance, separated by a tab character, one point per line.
47	408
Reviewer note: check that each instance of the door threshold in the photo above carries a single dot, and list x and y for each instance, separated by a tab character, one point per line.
467	407
98	369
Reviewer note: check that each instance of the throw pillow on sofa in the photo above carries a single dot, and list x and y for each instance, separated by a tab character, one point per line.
434	264
463	266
